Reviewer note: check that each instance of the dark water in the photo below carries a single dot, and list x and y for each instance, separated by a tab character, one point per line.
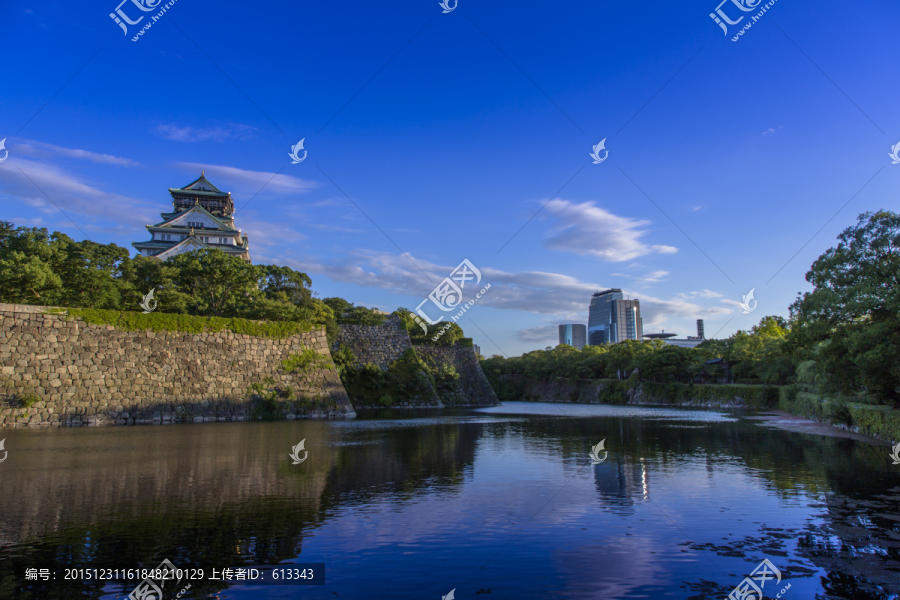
686	505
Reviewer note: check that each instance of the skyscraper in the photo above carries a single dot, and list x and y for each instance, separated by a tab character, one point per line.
598	315
700	329
573	334
612	318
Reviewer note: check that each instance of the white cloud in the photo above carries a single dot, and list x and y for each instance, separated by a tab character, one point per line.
43	150
541	334
253	181
194	134
70	193
652	277
706	294
590	230
562	296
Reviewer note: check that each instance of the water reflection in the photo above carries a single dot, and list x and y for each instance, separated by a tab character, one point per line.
503	498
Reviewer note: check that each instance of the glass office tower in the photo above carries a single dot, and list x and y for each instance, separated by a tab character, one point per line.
573	334
612	318
599	316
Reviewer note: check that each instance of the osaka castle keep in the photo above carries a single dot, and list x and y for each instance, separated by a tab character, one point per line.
202	217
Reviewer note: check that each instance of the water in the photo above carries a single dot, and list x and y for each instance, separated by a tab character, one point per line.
687	503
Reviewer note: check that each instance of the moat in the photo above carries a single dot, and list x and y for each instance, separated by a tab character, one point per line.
413	504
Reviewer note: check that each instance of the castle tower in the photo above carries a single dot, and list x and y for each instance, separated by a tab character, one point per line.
202	217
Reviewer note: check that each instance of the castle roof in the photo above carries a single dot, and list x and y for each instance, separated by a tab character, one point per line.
200	186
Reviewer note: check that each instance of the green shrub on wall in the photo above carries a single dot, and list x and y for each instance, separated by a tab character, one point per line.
755	396
306	361
613	392
408	379
135	321
509	388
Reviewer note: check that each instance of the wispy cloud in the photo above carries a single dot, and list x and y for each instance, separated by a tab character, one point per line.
251	181
82	200
590	230
43	150
540	334
195	134
336	228
539	292
705	294
652	277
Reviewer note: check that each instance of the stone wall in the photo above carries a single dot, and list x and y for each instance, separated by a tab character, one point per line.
383	344
473	388
95	374
374	344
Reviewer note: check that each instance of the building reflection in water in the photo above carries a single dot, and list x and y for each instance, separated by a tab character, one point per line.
620	482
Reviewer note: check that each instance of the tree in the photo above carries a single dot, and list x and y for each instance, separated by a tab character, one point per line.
850	323
90	273
216	282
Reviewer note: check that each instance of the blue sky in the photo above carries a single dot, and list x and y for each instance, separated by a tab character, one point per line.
452	131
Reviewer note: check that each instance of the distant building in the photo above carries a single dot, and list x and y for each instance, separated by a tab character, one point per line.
573	334
690	342
477	348
659	336
598	315
612	318
202	217
700	333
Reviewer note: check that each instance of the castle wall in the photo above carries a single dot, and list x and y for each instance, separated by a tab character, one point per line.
473	388
82	373
374	344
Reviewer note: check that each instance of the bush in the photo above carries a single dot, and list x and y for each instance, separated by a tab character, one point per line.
407	379
156	321
268	400
305	361
838	412
343	359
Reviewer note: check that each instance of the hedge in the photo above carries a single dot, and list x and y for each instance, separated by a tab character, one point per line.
136	321
755	396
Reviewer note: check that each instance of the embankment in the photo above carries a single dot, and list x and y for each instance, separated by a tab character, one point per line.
383	345
60	369
882	422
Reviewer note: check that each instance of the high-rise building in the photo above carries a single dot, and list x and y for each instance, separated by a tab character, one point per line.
598	316
700	329
573	334
625	321
612	318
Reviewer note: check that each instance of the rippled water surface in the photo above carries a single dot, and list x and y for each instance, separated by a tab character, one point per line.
686	504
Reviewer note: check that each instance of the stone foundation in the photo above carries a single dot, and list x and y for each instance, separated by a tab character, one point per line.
84	374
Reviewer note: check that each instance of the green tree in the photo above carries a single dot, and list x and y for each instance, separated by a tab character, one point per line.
91	274
850	323
216	282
